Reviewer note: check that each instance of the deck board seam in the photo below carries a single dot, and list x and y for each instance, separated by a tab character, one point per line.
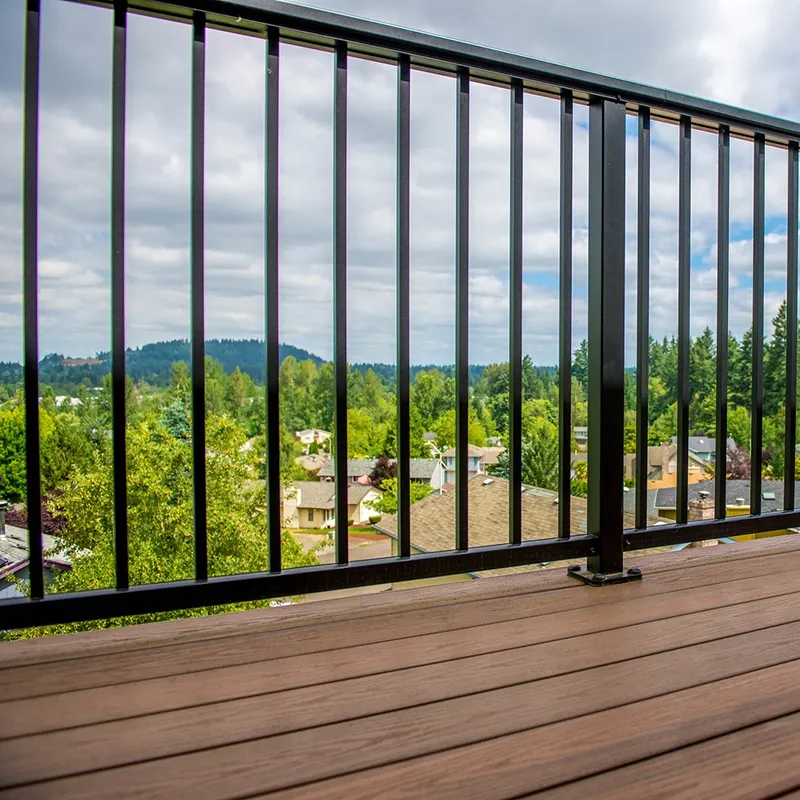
328	649
407	609
413	705
501	649
509	733
634	762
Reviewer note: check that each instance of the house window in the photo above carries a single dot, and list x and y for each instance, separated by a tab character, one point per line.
310	514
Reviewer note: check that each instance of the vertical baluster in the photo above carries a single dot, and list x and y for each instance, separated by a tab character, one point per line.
643	318
565	320
462	310
403	307
198	296
340	300
515	322
30	235
684	275
757	401
118	295
723	255
791	329
271	299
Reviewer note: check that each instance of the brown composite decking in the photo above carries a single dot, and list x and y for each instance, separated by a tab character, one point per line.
686	684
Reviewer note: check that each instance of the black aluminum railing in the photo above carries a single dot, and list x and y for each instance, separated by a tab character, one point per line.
610	101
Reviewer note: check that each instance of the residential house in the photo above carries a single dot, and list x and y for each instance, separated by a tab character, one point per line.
581	434
313	462
705	448
310	436
474	455
737	501
310	504
662	466
358	470
490	456
423	470
433	519
14	559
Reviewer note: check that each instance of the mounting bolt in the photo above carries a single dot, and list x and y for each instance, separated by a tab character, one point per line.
574	568
598	577
628	543
592	551
634	571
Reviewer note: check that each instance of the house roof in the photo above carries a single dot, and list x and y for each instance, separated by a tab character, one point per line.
629	501
421	468
666	498
312	462
472	451
490	454
433	519
14	550
704	444
655	454
320	494
355	467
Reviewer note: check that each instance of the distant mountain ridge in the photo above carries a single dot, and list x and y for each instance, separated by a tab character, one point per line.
153	362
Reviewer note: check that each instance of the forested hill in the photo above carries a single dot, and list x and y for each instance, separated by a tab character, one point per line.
152	363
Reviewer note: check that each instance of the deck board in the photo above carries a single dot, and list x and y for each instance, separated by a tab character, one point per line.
566	690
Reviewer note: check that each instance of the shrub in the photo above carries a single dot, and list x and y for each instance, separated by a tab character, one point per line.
375	518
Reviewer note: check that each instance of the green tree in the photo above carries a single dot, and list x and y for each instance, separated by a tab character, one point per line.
740	371
387	502
445	430
539	457
629	434
775	364
739	425
175	419
432	394
580	365
12	450
160	520
665	427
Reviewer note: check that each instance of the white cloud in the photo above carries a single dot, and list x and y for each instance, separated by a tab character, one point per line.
730	52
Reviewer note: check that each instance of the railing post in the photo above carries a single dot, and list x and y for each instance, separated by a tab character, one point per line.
606	341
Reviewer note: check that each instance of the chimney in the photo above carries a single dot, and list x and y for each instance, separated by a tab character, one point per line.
701	506
3	509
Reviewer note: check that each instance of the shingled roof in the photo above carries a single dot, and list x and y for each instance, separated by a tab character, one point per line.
320	494
433	519
771	494
421	468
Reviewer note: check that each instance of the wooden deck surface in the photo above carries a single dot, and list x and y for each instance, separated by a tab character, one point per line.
686	684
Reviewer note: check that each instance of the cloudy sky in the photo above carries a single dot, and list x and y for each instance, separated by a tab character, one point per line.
733	51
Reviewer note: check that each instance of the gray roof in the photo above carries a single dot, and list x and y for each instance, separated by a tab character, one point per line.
733	490
355	467
14	547
421	468
629	501
319	494
704	444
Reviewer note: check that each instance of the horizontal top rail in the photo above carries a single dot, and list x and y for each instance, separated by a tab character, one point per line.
383	42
